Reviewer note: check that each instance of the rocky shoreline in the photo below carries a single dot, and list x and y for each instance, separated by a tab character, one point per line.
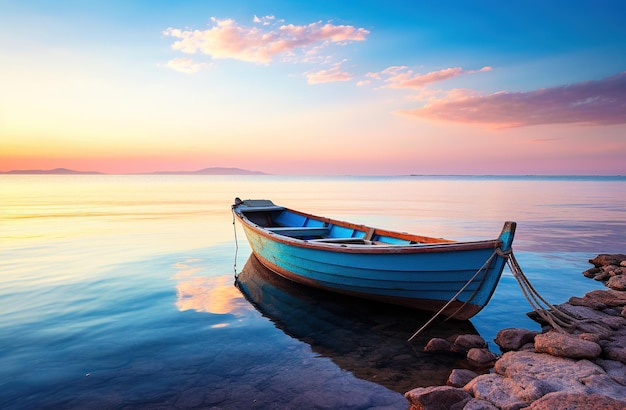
580	367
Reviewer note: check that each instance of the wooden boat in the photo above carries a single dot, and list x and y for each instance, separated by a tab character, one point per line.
456	279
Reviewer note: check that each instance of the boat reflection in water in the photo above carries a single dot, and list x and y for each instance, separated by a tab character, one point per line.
366	338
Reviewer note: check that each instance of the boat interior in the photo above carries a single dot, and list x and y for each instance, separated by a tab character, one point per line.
294	224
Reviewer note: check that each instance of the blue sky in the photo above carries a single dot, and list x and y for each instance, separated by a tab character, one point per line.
374	87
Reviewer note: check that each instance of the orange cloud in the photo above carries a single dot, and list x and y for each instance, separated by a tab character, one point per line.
261	44
402	77
601	102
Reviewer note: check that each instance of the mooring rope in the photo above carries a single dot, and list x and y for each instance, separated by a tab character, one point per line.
236	243
559	319
485	265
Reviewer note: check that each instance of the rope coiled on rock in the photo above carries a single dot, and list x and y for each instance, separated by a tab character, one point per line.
559	319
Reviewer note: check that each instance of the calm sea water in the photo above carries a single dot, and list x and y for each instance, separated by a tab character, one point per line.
118	291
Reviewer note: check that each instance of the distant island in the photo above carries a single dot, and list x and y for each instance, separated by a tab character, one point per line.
211	171
205	171
56	171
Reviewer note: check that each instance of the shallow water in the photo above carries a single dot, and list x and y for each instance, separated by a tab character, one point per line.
118	291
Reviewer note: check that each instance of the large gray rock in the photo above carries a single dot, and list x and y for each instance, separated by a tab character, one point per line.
437	398
514	338
576	401
565	345
507	393
588	318
560	373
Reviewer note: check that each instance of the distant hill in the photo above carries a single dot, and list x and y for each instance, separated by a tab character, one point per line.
56	171
212	171
205	171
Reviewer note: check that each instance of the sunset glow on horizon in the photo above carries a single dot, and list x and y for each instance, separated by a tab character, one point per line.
314	88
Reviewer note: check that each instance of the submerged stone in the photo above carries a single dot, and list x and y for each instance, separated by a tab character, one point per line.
481	357
463	343
438	345
460	377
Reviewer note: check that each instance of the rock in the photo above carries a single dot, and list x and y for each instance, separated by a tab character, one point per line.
437	345
609	268
592	317
460	377
477	404
611	312
463	343
608	259
437	397
590	273
576	401
622	263
614	350
602	276
507	393
611	298
617	282
592	337
565	345
576	301
513	338
559	373
481	357
615	369
528	347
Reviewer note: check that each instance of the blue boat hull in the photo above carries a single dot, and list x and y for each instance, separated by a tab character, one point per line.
422	276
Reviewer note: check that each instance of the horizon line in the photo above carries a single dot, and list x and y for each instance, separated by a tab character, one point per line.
244	172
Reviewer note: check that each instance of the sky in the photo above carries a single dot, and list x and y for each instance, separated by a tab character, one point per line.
314	87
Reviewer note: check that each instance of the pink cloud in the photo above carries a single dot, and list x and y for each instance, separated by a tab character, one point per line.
261	44
601	102
333	74
402	77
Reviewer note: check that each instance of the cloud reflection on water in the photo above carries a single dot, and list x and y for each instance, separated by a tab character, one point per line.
211	294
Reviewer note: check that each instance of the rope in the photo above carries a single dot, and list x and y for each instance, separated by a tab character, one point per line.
559	319
486	264
236	244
